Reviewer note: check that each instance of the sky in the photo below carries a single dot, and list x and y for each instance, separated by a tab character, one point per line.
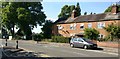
52	9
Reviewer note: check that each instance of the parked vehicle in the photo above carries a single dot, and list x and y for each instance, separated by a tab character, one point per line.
82	42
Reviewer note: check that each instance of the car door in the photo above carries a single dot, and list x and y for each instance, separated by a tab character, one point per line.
75	42
80	42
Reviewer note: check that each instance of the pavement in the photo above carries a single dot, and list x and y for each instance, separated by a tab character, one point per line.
63	50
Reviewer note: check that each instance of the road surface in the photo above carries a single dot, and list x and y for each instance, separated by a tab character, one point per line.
60	51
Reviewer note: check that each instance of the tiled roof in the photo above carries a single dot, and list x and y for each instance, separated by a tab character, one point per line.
60	20
70	19
93	17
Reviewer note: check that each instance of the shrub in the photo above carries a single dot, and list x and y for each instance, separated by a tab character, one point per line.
91	33
37	37
109	38
60	39
46	40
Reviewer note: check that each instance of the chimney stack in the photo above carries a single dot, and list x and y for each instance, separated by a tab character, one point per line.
114	8
73	15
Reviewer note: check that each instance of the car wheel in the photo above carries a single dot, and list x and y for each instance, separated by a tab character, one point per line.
72	45
85	47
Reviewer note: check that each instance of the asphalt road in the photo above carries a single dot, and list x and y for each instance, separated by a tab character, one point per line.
60	51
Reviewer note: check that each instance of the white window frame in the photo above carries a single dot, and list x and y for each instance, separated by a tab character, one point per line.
100	25
60	27
73	26
82	24
101	35
89	25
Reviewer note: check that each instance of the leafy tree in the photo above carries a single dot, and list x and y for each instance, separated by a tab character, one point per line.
110	8
25	15
113	30
47	29
78	9
91	33
67	10
85	13
38	37
91	13
7	22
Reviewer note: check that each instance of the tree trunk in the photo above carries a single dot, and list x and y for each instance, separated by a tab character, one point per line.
28	37
28	33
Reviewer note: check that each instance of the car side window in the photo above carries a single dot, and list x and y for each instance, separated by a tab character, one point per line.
74	39
80	40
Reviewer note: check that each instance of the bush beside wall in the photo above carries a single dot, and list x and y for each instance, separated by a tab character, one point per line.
60	39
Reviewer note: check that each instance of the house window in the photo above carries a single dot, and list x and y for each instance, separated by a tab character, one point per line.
101	36
73	26
89	25
101	25
81	26
60	27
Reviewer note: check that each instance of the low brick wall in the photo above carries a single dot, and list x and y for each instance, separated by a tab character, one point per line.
108	44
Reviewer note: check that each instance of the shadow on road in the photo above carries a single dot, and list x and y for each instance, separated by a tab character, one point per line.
98	49
93	48
9	52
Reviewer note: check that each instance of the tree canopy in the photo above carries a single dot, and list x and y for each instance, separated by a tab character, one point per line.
91	33
110	8
67	10
25	15
47	29
113	30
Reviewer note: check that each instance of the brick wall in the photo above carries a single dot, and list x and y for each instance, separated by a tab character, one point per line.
108	44
67	32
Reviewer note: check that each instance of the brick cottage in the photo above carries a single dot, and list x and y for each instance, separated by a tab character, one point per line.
76	25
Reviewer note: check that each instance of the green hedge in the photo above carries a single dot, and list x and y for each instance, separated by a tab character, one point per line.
60	39
37	37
